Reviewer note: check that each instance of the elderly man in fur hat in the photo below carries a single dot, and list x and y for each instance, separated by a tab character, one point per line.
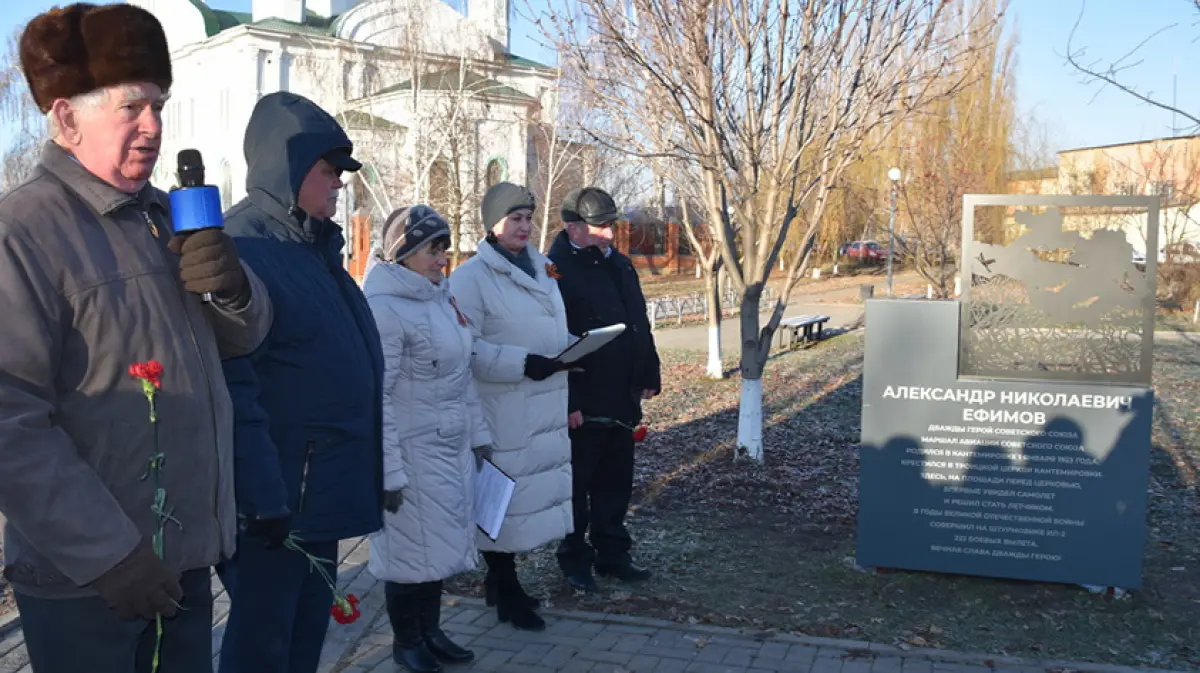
92	282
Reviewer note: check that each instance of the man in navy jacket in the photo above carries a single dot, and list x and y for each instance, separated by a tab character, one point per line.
307	418
599	288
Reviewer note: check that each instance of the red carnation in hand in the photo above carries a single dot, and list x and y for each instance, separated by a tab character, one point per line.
150	371
345	610
639	435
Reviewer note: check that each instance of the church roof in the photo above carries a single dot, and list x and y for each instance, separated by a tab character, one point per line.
450	79
357	120
217	20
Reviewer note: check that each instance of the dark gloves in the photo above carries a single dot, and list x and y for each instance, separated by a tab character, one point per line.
482	453
392	500
140	586
209	263
541	368
271	530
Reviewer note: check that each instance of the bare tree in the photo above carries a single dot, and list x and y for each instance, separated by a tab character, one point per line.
771	101
1115	73
957	145
20	117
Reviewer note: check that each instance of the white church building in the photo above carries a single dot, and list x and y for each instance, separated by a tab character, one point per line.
416	83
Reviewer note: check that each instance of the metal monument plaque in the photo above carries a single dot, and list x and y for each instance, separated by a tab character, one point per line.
1008	434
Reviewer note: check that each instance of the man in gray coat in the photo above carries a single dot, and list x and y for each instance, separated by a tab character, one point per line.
92	281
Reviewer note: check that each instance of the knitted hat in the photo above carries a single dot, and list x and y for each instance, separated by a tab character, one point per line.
74	50
502	199
409	229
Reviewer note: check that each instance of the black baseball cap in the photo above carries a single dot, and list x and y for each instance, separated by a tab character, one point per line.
590	205
340	158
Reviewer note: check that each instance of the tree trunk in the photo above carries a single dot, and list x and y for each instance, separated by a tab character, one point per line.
713	292
750	410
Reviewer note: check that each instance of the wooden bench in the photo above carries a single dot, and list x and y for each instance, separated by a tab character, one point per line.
800	329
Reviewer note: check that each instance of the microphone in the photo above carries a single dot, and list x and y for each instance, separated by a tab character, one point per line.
194	205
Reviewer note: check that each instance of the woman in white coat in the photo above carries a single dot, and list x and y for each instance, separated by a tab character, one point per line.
434	435
509	292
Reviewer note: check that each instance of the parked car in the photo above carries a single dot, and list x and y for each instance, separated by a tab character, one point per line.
866	251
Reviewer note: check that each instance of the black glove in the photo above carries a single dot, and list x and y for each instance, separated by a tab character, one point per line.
271	530
541	368
140	586
482	453
209	263
393	499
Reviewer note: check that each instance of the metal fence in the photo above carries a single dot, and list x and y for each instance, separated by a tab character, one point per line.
664	310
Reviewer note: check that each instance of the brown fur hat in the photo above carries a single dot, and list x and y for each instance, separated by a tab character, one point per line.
73	50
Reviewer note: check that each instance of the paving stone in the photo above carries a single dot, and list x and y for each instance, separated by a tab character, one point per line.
503	644
605	656
712	653
532	653
558	656
914	665
710	667
826	665
630	642
858	665
739	656
671	666
492	661
641	663
803	654
463	616
681	653
524	668
888	665
797	666
605	641
770	650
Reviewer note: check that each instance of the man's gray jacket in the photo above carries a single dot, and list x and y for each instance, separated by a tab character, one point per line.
87	288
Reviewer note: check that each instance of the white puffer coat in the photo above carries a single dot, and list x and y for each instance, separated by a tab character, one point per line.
512	315
431	420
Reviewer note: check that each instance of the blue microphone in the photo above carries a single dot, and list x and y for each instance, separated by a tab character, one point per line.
194	205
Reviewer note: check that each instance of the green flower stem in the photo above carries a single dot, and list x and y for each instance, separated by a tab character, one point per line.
315	562
159	507
601	420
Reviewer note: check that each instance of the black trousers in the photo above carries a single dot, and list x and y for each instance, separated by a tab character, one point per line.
82	634
602	467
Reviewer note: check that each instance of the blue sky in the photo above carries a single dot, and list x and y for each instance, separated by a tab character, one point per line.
1071	112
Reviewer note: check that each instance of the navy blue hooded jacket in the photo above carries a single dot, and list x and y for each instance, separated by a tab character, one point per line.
307	414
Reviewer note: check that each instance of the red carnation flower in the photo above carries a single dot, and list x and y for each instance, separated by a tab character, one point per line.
345	610
639	435
150	371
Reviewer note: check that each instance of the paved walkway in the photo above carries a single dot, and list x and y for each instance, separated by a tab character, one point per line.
577	642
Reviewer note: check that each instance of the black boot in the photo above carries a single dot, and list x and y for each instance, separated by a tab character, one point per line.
626	571
431	619
404	612
511	603
491	591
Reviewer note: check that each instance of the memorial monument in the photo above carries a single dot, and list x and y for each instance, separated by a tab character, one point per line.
1007	433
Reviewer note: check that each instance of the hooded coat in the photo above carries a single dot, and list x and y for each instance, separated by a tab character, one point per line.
431	420
307	403
512	315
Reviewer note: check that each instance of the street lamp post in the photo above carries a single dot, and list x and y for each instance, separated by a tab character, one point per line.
893	175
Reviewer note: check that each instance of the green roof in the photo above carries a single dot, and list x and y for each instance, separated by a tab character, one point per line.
217	20
525	62
364	121
451	79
